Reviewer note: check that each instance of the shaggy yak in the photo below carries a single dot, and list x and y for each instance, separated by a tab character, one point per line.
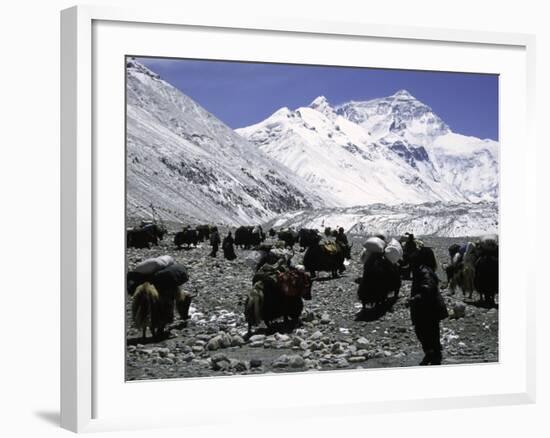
326	257
486	271
276	294
307	237
380	277
144	236
247	236
187	237
288	236
153	300
486	277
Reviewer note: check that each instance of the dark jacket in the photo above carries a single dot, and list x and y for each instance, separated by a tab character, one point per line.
427	304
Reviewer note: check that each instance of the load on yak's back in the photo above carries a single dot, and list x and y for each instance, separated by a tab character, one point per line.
154	285
473	267
381	271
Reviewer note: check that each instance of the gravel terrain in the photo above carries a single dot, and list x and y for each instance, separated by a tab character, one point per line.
213	342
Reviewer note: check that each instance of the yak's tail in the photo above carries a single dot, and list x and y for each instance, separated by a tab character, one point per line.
254	303
144	299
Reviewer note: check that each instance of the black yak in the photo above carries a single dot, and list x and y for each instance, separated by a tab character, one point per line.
188	237
328	256
276	294
380	277
486	271
308	237
288	236
486	278
247	236
145	236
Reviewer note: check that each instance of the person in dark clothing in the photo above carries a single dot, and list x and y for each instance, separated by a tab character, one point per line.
227	246
409	251
341	237
427	306
214	241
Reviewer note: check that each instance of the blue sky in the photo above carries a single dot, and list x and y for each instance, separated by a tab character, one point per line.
241	94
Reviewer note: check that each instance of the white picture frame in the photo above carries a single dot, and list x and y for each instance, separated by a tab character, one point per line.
87	403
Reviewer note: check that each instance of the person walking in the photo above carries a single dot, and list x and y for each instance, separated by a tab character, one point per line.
227	246
427	306
214	241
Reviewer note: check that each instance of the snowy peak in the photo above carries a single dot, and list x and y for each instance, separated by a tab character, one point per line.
399	113
320	103
402	94
389	150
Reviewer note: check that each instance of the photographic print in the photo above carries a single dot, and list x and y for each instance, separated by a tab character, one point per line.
299	218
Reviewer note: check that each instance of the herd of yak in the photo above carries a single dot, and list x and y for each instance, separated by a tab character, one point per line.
279	284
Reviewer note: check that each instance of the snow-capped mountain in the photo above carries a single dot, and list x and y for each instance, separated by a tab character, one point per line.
390	150
193	167
434	219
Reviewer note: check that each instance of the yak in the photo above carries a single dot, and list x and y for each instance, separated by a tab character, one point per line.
486	277
307	237
143	237
486	271
188	237
153	300
380	277
276	294
326	257
288	236
247	236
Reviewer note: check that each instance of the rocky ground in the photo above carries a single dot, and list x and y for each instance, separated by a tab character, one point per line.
213	342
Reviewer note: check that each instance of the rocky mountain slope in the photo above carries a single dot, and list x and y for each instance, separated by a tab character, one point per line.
193	167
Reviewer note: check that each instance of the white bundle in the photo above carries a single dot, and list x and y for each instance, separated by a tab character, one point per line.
374	245
393	251
253	258
281	253
150	266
